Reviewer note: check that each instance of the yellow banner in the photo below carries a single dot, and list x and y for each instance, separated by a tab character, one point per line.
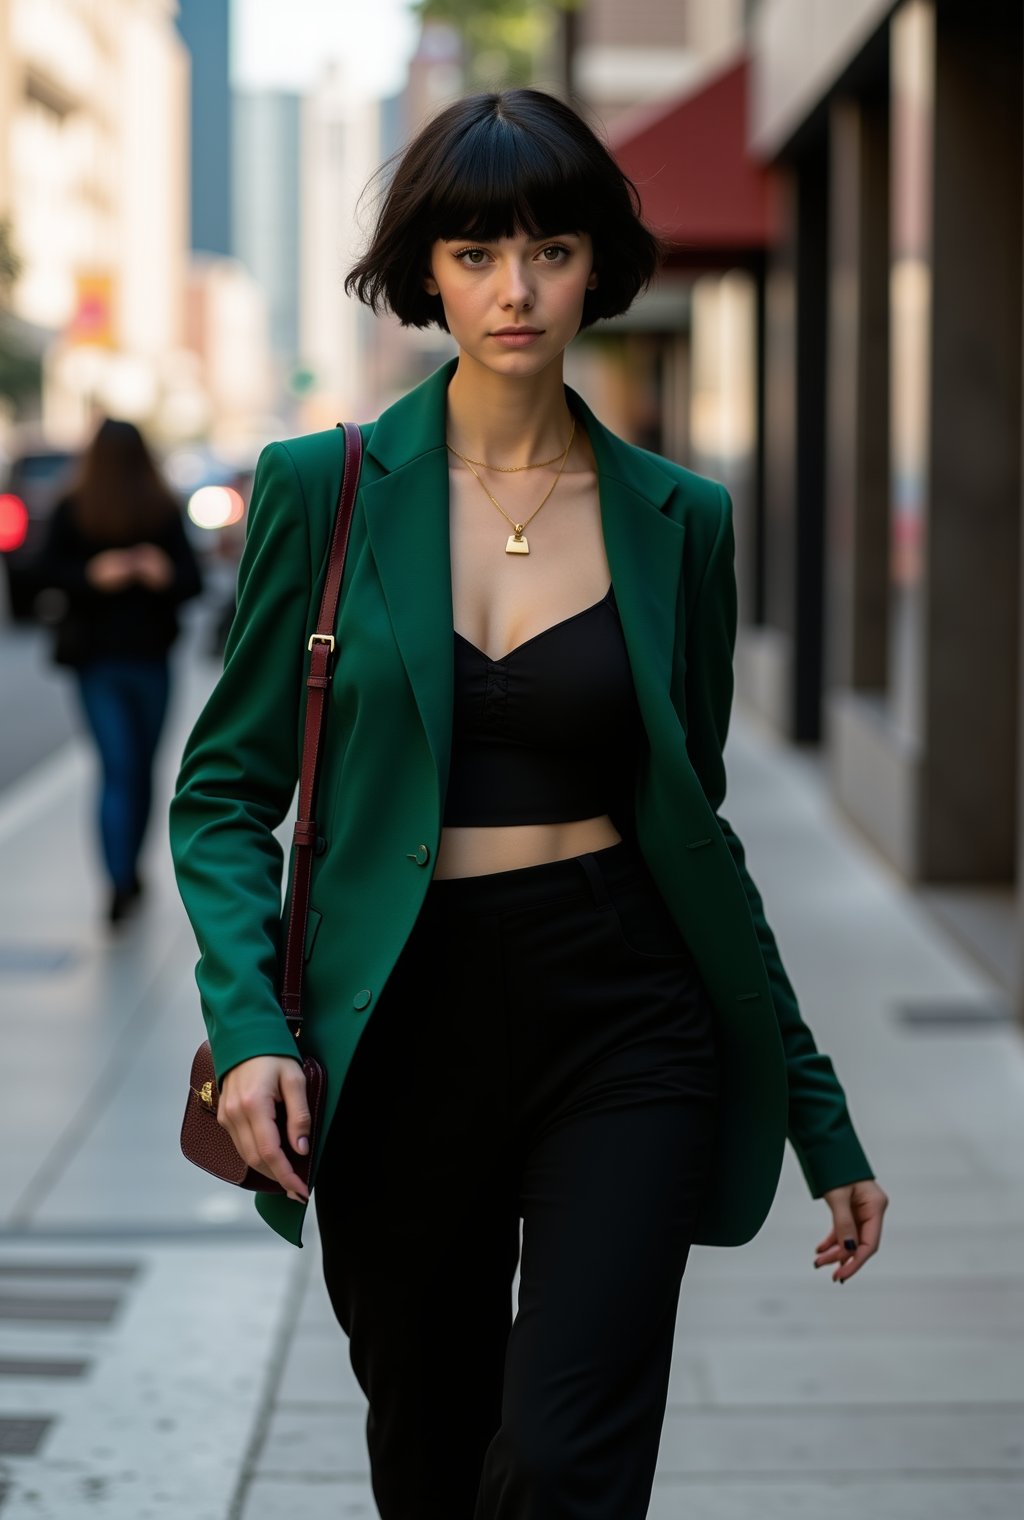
93	321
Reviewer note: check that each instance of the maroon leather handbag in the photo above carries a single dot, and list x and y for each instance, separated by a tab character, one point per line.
203	1140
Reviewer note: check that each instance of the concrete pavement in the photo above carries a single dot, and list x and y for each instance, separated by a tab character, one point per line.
38	704
161	1353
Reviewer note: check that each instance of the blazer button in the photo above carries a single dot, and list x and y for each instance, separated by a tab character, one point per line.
421	856
362	1000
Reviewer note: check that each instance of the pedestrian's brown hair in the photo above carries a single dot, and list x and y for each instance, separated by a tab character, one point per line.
119	496
490	165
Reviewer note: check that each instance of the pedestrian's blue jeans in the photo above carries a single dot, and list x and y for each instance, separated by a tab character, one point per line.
124	701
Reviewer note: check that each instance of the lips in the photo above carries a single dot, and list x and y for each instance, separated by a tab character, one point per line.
516	337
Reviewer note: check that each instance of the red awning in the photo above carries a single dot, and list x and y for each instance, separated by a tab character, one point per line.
698	185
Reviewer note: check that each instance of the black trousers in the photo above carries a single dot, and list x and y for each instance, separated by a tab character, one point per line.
544	1051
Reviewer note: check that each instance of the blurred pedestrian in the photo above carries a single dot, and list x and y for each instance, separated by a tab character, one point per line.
538	972
117	550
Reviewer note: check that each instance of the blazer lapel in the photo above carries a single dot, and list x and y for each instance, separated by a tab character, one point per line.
645	556
407	524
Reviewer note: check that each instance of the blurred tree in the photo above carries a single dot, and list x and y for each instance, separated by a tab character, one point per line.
505	40
20	373
10	263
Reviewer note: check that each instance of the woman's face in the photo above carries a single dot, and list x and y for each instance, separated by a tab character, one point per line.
514	304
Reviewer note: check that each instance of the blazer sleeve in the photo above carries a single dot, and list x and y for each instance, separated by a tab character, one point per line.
819	1125
238	774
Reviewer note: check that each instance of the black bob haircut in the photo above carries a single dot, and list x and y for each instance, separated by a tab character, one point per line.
489	166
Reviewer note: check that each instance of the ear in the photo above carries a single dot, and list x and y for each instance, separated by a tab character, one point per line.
592	280
430	285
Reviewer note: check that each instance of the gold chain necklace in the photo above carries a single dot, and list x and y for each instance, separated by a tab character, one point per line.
516	543
512	469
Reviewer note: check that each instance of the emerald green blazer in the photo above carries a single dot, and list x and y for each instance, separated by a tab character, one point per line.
669	540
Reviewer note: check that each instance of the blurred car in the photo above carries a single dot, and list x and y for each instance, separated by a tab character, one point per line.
32	484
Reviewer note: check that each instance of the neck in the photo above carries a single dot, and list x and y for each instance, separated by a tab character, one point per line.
504	419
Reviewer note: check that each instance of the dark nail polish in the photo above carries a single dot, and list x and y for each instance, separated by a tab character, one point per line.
851	1245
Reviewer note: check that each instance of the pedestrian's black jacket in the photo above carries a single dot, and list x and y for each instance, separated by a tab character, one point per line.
136	622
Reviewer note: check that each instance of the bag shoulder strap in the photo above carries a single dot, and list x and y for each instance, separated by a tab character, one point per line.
322	651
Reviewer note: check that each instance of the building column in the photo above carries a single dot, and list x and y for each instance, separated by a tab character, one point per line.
779	668
857	424
971	678
1017	969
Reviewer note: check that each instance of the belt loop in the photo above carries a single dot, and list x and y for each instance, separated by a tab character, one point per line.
598	885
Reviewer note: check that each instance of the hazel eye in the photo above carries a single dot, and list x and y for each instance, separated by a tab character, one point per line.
473	256
558	249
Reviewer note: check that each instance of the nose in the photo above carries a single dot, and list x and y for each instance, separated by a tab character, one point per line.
516	288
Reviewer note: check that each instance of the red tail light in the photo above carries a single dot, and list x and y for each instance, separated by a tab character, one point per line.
13	523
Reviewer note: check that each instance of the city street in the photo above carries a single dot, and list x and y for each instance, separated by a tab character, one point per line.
162	1354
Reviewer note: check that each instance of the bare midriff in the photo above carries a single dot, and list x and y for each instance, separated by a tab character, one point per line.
508	847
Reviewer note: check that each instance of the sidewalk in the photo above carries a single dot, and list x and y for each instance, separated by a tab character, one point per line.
161	1353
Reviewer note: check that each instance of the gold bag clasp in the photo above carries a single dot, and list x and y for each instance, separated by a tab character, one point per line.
205	1095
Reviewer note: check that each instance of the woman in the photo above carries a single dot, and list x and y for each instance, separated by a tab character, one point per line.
535	957
116	548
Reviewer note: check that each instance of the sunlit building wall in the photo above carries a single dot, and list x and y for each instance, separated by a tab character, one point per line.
153	220
340	151
93	177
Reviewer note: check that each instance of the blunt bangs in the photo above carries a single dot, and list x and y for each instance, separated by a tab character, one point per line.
491	166
498	180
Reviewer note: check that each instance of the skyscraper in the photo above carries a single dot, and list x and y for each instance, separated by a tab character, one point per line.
204	26
266	207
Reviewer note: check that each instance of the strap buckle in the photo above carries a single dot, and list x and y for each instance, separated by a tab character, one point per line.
321	638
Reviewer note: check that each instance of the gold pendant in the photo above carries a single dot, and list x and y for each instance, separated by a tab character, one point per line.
516	543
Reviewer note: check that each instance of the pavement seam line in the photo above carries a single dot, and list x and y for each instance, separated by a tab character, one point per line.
298	1288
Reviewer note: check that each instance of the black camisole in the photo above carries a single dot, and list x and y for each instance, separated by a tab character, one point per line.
548	733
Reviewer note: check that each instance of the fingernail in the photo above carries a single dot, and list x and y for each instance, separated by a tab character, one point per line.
303	1146
851	1245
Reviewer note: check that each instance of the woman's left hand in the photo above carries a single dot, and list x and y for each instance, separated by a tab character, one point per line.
856	1231
153	567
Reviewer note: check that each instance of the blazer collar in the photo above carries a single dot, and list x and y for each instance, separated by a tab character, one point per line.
405	500
415	425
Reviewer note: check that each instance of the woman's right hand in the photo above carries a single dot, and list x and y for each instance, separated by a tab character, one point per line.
249	1095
